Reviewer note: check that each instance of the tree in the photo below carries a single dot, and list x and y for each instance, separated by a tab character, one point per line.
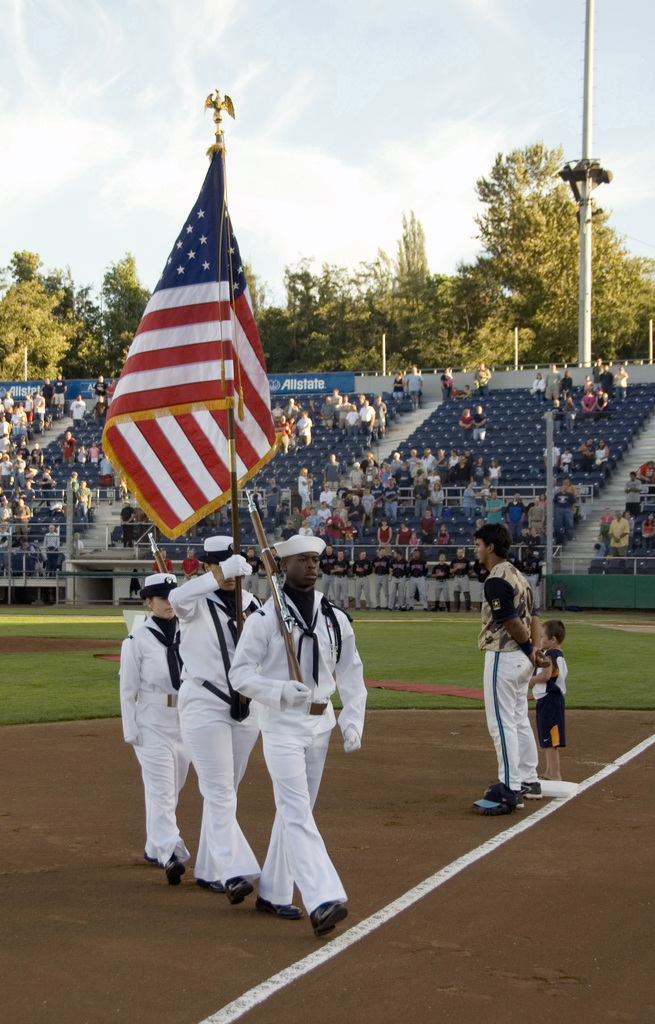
527	273
27	321
124	300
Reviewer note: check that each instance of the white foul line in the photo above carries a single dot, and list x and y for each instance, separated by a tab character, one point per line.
232	1011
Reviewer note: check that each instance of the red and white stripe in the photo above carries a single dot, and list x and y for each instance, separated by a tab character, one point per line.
193	351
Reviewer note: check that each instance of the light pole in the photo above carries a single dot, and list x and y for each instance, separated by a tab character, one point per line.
583	178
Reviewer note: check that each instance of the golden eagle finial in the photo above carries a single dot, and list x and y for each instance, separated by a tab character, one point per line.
218	105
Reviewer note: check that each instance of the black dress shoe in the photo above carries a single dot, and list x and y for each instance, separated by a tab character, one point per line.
325	917
237	889
174	870
212	886
284	910
152	860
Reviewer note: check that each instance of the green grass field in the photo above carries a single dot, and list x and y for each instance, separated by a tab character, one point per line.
608	668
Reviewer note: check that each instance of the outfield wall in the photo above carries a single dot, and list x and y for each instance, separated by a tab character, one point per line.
598	591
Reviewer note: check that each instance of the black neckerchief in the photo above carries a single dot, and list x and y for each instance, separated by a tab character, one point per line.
304	602
227	601
171	641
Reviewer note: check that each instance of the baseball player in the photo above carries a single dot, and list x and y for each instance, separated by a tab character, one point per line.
340	580
397	582
509	661
296	722
218	741
441	573
328	559
532	572
416	572
362	570
459	572
149	684
381	564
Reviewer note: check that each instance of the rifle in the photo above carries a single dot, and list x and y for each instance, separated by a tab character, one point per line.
284	616
157	555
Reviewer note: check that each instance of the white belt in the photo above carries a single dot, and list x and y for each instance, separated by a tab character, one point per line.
169	700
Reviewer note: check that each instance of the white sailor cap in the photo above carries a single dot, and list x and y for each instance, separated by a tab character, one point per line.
300	546
217	549
159	584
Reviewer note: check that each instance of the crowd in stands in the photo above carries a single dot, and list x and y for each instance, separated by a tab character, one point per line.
35	473
465	465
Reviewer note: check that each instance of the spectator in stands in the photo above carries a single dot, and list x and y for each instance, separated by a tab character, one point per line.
403	534
479	424
646	473
602	406
619	535
437	496
566	461
633	495
589	386
380	422
558	416
564	502
605	521
46	481
77	411
601	456
538	387
532	572
428	526
390	494
5	539
94	453
588	405
398	386
648	531
466	420
191	565
127	525
100	388
421	495
277	413
415	387
367	421
596	371
443	536
569	414
607	382
494	507
495	472
292	410
5	509
21	519
587	452
273	499
51	549
482	379
447	384
352	421
81	454
385	533
515	513
621	378
537	515
100	409
167	562
552	383
332	471
106	472
328	495
335	527
48	392
68	447
303	428
566	386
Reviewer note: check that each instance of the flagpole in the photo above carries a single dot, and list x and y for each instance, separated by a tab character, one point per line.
217	152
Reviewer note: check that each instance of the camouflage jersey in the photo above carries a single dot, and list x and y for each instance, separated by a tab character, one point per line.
505	588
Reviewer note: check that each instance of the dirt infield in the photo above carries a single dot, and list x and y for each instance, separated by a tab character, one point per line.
556	922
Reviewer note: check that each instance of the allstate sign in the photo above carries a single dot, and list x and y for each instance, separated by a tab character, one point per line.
319	383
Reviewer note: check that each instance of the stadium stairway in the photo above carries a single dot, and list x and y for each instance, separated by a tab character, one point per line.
613	496
402	428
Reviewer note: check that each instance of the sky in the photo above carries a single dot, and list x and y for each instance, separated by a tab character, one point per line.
348	113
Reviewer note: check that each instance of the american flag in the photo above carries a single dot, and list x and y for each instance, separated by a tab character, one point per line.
195	354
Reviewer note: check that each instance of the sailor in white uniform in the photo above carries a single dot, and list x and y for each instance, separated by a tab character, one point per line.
149	684
215	728
296	722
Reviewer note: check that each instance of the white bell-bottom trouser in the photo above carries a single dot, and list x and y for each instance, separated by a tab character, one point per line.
506	678
164	764
219	748
296	850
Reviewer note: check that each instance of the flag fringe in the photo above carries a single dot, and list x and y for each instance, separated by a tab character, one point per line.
211	506
170	410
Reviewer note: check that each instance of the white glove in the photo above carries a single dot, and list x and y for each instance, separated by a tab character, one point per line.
351	739
134	739
294	694
235	565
